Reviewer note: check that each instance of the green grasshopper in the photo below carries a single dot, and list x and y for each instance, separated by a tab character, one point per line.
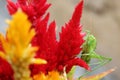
89	53
88	48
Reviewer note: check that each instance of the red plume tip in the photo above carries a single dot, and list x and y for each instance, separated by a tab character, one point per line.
78	12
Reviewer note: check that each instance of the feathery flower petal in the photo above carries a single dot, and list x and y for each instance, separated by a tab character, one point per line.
53	75
33	8
48	47
70	42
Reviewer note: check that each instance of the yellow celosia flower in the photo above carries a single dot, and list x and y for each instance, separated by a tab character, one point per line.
17	49
53	75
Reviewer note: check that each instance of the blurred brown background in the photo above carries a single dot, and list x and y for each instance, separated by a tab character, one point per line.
101	17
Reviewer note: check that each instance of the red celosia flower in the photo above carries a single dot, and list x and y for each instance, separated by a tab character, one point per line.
6	72
33	8
61	54
58	54
46	39
70	42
